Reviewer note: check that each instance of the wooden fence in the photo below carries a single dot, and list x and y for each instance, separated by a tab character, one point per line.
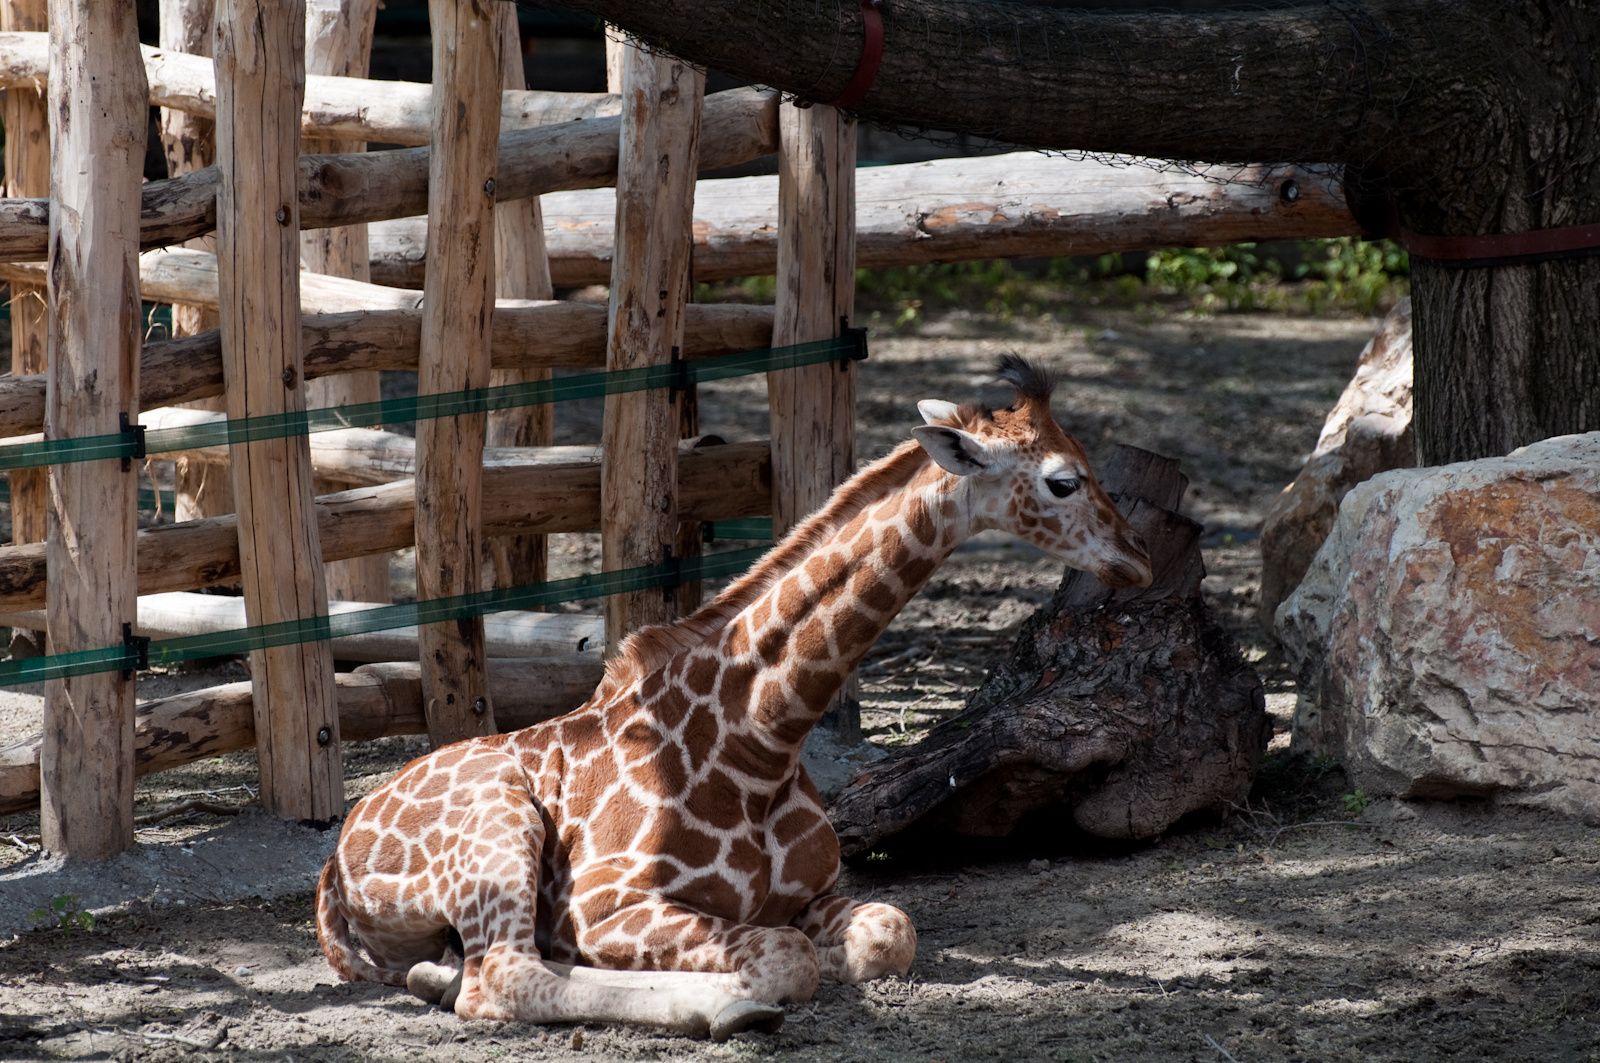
504	195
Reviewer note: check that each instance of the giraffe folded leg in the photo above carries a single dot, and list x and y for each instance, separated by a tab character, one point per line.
858	941
775	965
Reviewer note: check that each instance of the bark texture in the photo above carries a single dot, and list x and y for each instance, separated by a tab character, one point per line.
1470	116
1126	710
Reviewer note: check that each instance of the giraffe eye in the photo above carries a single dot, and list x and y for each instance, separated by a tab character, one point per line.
1062	488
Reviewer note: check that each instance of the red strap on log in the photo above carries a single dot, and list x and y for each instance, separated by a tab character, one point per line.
1498	249
871	57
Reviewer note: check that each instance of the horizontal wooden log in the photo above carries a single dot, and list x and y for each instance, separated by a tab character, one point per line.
714	483
526	335
345	108
180	614
374	701
350	189
363	455
953	210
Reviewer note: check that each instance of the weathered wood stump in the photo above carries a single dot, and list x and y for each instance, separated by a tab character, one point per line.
1126	710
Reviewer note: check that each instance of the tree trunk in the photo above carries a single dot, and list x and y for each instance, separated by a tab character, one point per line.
1474	116
1130	708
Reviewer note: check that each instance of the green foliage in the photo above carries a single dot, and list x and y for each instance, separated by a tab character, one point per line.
1363	274
1356	803
63	914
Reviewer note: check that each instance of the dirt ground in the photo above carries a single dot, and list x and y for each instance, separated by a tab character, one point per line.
1313	926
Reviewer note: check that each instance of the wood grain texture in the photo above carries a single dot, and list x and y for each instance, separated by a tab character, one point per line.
260	75
339	43
525	335
27	142
456	313
662	103
522	271
951	210
344	107
812	409
97	128
718	483
375	701
740	125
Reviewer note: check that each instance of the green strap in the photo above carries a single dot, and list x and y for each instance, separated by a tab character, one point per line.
317	628
136	442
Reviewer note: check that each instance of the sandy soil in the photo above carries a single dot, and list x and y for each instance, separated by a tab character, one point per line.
1308	927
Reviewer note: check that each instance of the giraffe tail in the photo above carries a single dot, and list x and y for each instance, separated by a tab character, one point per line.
333	931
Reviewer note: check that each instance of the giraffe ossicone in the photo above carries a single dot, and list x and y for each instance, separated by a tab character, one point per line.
659	856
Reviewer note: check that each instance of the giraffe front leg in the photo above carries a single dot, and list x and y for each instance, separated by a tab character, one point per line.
775	965
857	941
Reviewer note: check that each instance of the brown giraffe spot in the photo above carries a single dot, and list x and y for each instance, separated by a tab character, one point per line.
826	569
815	686
792	730
700	735
854	631
597	907
736	639
921	525
892	549
773	703
871	591
635	922
651	685
357	846
793	825
711	894
581	734
448	757
702	675
615	824
770	644
747	857
662	773
715	802
671	707
672	833
811	641
915	573
734	686
747	755
654	877
792	601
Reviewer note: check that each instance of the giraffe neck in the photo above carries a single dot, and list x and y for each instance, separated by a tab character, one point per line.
881	540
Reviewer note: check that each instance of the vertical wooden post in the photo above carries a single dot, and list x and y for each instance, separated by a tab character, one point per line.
662	99
27	133
97	124
812	408
458	301
260	83
203	489
522	271
339	42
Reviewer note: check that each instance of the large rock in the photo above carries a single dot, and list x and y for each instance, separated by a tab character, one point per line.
1447	634
1368	432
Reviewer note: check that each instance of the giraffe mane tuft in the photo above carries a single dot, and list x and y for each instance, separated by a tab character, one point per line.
1032	382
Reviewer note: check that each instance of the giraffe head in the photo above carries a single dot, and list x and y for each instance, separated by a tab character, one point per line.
1021	473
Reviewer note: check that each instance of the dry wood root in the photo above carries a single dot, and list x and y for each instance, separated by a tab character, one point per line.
1124	711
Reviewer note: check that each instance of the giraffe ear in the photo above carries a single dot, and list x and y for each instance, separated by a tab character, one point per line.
937	411
956	451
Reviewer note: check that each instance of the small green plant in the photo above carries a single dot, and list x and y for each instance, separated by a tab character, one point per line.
64	914
1322	763
1356	803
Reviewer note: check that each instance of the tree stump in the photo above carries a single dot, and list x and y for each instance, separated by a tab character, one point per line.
1127	709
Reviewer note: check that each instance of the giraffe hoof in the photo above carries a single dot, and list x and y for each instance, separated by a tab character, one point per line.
433	982
746	1015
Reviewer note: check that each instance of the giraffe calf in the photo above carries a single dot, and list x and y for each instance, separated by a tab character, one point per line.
659	856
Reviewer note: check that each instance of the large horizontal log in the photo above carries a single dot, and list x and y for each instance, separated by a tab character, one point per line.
180	614
526	335
375	701
350	189
953	210
340	108
714	483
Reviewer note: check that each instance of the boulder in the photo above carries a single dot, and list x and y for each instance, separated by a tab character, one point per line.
1447	634
1368	432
